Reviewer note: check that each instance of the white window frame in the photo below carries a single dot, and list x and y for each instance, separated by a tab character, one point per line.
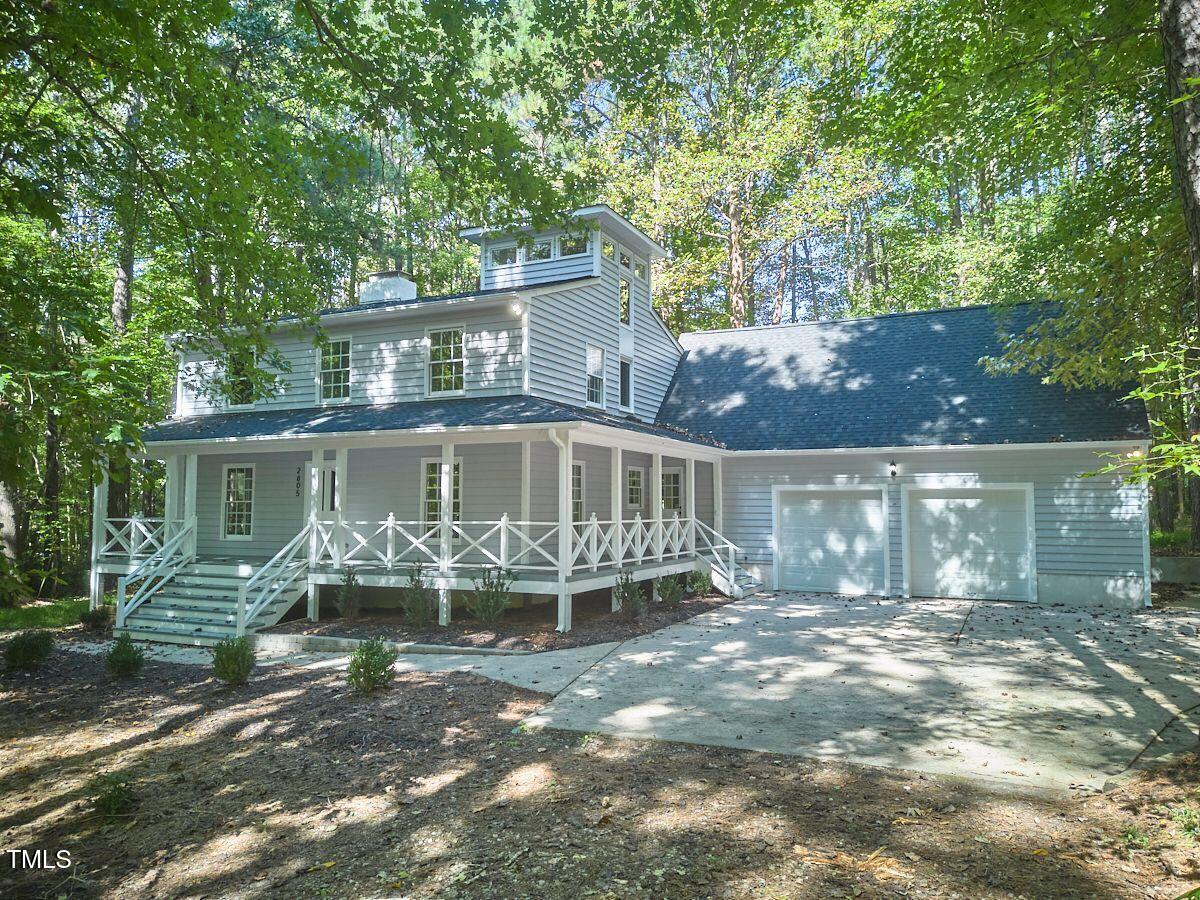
625	314
233	407
662	494
504	246
422	500
620	366
549	241
429	332
558	246
645	276
605	246
641	488
225	536
587	376
320	367
582	501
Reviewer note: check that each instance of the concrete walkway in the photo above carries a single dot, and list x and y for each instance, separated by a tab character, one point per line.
1031	695
546	672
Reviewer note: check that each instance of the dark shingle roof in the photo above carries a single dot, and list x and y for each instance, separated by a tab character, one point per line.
910	379
419	414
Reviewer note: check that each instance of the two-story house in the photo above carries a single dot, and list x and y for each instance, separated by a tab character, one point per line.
549	424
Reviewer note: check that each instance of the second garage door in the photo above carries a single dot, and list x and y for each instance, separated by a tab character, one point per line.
969	543
831	541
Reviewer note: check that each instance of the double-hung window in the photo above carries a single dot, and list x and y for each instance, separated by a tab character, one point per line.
431	492
595	376
626	383
577	482
633	487
239	383
625	304
335	371
446	361
672	490
237	513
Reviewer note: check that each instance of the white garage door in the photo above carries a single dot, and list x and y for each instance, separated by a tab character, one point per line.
831	541
968	543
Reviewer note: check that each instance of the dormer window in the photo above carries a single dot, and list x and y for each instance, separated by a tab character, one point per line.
539	251
446	361
335	371
639	270
608	249
625	304
572	246
503	256
595	376
625	261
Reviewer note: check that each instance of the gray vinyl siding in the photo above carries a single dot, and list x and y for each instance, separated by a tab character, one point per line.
704	492
1083	526
655	355
537	272
388	360
278	510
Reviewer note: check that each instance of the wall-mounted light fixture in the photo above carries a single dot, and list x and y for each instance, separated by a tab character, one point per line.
516	308
892	469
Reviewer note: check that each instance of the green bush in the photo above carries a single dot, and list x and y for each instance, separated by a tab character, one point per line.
491	596
95	619
371	665
670	590
349	594
700	582
112	794
28	650
628	594
233	660
418	600
124	657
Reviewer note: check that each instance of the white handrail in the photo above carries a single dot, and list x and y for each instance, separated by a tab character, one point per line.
275	576
153	572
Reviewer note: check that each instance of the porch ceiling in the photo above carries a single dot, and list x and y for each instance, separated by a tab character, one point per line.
421	417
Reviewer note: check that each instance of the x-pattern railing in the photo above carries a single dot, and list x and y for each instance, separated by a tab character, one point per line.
136	537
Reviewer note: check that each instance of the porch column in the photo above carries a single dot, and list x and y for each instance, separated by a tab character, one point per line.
718	502
191	466
689	504
446	517
656	509
616	498
340	459
526	457
314	544
99	512
171	495
565	528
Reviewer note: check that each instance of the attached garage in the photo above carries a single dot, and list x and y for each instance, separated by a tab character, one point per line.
973	543
831	539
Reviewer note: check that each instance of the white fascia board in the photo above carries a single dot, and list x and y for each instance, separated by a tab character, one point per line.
612	435
608	219
941	448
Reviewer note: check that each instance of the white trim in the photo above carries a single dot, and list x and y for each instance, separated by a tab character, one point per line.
582	487
524	349
866	487
588	347
239	407
626	504
672	470
1052	445
942	483
606	218
1147	600
428	344
224	499
319	371
558	238
462	487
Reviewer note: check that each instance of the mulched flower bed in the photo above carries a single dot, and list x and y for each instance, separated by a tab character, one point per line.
523	628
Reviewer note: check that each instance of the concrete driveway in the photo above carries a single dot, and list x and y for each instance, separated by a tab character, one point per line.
1031	695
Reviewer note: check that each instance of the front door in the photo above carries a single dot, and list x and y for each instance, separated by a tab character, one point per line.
326	495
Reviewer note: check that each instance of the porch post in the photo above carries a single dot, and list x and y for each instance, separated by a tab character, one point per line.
718	503
171	495
314	544
191	466
616	487
446	511
340	458
689	505
656	503
565	529
99	512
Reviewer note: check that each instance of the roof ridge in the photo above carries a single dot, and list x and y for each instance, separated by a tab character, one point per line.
852	319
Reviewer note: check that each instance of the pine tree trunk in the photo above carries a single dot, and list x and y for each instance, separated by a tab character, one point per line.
10	523
1180	29
781	288
739	289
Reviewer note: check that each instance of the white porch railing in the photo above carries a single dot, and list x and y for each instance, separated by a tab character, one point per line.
277	575
136	537
154	571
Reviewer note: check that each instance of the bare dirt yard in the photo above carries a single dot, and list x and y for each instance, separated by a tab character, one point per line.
523	628
292	786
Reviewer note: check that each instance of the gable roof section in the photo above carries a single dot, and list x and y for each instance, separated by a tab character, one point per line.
908	379
518	410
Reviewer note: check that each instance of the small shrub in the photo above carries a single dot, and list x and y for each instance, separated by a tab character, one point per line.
1188	820
371	666
124	657
349	594
418	600
112	794
95	619
630	599
1135	838
491	596
233	660
29	649
700	582
670	590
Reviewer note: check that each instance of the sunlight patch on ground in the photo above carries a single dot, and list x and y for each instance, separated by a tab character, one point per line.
526	781
431	784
